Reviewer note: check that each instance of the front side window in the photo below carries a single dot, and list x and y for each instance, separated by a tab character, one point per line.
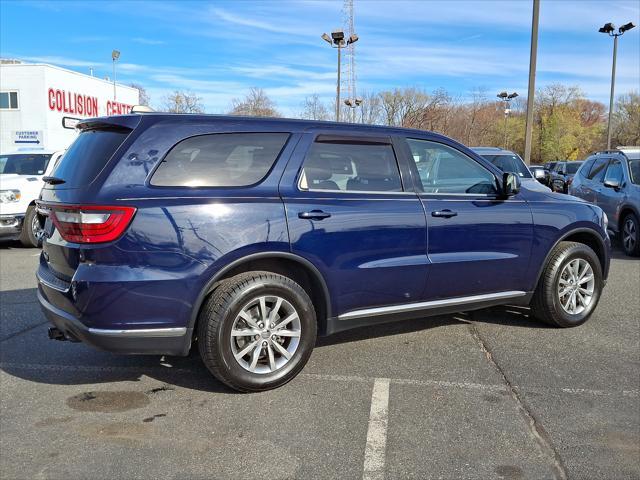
351	167
24	164
572	167
614	172
8	100
220	160
586	166
597	170
443	169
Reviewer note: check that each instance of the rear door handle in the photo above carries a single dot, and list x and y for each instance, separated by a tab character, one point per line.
444	213
314	215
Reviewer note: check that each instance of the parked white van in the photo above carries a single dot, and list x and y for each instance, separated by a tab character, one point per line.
21	174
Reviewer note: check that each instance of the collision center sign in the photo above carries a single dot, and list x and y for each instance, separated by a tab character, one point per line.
81	104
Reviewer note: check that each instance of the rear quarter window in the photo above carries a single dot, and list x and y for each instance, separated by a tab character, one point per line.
220	160
87	156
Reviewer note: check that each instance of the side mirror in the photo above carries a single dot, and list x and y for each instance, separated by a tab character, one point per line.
510	184
615	184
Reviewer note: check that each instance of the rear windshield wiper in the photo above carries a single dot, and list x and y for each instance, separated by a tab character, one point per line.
53	180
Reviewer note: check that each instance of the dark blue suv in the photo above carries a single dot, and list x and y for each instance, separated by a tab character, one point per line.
248	237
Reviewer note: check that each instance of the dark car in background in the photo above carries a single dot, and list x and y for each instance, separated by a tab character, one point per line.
509	161
548	167
249	236
562	175
611	180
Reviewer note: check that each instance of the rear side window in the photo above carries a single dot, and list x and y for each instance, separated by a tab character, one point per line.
351	168
597	170
87	156
220	160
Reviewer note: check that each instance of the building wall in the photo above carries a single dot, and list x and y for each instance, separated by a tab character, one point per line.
46	94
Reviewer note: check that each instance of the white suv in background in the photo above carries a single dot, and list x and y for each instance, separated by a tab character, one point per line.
21	174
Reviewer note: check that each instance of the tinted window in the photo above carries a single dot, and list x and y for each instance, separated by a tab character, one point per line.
586	166
443	169
614	171
24	164
509	163
634	169
220	160
87	156
351	167
572	167
597	170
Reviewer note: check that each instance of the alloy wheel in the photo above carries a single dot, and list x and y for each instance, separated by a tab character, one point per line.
576	286
265	334
629	235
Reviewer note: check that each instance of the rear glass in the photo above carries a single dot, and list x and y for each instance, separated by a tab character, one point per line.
220	160
87	156
509	163
24	164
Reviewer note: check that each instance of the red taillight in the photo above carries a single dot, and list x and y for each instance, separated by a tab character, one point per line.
91	223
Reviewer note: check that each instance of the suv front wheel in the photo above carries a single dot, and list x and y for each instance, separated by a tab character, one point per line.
256	331
569	287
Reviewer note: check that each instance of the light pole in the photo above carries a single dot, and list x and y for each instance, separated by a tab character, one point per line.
506	98
336	40
609	29
353	104
115	55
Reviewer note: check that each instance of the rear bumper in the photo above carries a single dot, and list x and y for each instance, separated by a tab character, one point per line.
152	341
11	225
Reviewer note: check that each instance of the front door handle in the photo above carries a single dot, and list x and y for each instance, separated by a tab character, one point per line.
444	213
314	215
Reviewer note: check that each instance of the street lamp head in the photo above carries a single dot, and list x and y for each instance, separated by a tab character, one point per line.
327	38
352	39
115	55
607	28
513	95
337	36
502	95
348	102
359	102
626	26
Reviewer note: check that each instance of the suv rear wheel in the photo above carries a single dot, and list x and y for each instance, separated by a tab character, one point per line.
569	287
630	235
256	331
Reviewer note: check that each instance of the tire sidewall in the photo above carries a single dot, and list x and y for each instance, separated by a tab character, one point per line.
563	317
27	236
222	349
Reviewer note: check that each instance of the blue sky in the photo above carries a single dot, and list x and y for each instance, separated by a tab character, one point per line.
221	49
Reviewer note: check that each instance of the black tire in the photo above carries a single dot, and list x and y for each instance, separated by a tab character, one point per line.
220	310
630	246
545	304
28	237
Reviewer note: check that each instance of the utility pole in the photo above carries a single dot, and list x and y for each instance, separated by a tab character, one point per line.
115	55
532	81
609	29
506	98
336	40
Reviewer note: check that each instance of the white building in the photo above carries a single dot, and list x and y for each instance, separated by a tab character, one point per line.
35	97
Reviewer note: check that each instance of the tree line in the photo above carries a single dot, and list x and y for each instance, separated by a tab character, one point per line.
567	125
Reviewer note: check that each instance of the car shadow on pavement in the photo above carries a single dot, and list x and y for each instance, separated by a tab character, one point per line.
27	353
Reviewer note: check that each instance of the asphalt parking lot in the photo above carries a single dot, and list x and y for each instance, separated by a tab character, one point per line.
484	395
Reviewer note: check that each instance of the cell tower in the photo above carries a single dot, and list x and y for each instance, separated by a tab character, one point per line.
349	65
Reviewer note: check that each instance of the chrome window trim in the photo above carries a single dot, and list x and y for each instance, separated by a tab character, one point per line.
412	307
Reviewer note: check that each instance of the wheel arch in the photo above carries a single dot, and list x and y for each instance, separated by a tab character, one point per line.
288	264
586	236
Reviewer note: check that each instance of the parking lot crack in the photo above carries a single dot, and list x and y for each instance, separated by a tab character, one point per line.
534	425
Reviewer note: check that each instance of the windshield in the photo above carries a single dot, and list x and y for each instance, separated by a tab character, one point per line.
572	167
24	164
634	169
509	163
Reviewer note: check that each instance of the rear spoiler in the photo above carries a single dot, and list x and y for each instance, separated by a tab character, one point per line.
128	122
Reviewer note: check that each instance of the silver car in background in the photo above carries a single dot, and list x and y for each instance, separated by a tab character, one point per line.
611	180
509	161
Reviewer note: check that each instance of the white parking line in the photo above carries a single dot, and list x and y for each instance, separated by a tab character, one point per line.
374	452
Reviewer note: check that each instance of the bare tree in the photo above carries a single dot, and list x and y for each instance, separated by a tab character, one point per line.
183	102
371	109
144	99
256	104
314	109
